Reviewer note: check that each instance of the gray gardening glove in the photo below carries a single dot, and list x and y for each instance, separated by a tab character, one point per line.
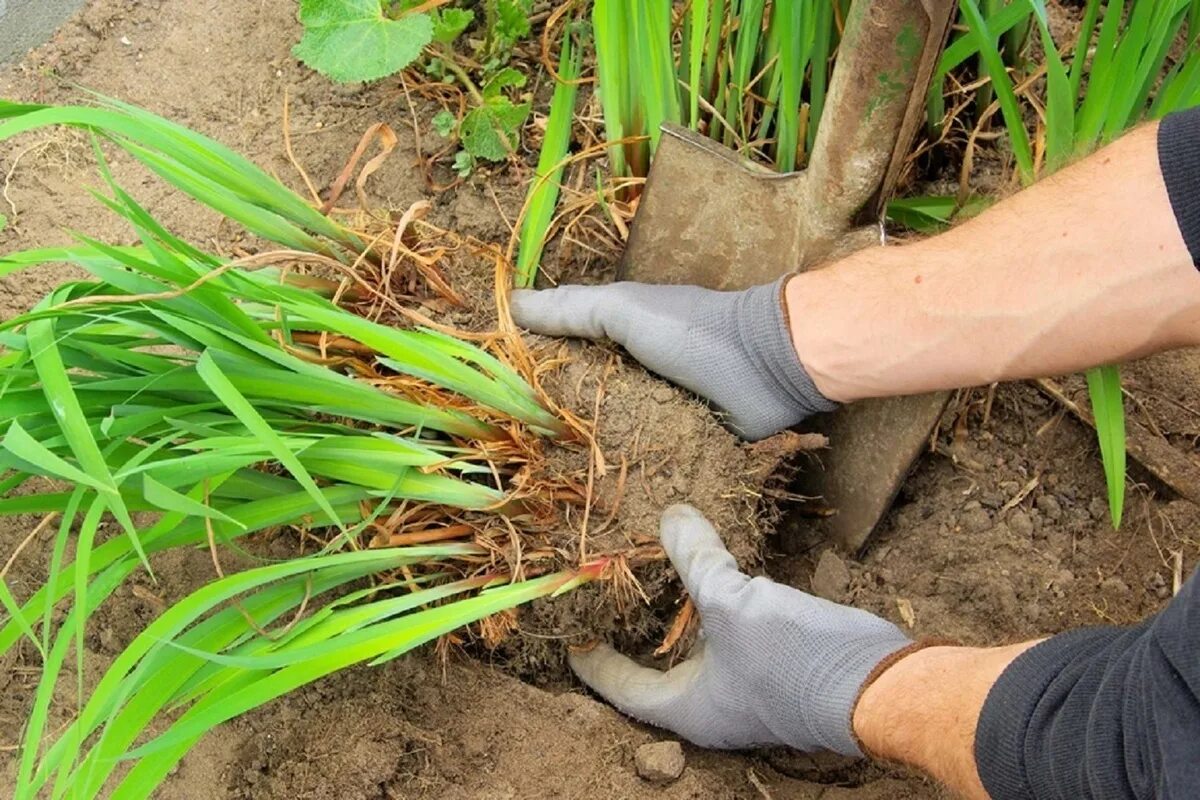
732	348
774	666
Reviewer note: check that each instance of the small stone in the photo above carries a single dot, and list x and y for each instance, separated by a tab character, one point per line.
125	41
1098	508
992	500
831	578
1048	504
659	762
976	521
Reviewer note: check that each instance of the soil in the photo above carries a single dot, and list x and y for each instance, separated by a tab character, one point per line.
999	534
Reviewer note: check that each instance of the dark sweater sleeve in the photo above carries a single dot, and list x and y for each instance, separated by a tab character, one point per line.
1179	159
1100	713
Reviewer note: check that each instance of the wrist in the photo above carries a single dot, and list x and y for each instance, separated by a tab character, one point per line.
821	319
861	326
922	711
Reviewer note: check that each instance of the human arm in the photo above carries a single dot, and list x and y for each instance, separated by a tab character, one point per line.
1089	266
924	712
1110	713
1103	713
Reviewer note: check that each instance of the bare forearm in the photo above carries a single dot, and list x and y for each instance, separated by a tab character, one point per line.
1084	268
923	711
1097	712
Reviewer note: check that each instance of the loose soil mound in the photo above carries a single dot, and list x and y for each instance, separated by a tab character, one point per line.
660	447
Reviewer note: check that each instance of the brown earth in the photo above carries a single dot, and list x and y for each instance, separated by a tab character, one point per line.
1000	533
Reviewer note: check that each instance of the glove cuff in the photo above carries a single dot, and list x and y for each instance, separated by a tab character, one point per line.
882	667
766	335
868	660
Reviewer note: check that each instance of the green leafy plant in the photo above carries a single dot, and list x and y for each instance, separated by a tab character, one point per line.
364	40
1008	21
1011	44
491	129
932	213
506	22
1089	101
225	398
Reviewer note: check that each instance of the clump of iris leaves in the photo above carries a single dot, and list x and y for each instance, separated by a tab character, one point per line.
171	381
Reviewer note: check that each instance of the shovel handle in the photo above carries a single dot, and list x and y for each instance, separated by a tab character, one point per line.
888	51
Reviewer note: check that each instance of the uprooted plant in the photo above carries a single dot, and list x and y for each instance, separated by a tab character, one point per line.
182	399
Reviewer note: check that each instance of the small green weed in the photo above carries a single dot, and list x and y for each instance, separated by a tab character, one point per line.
365	40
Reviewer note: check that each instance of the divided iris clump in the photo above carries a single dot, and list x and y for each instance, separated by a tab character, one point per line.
227	397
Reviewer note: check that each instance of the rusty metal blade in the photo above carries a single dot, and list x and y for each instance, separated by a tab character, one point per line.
710	218
707	217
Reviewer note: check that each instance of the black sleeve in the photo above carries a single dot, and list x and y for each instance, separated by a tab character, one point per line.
1179	159
1100	713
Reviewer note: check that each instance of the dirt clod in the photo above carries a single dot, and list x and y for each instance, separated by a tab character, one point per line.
1020	523
831	578
1049	506
659	762
975	519
1114	585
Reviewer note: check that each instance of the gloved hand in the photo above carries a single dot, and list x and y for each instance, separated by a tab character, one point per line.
732	348
774	665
